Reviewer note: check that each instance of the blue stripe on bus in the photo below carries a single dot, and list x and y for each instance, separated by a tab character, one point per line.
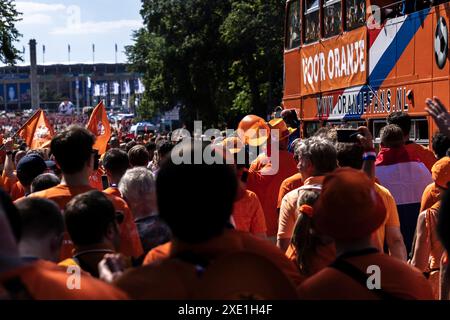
393	53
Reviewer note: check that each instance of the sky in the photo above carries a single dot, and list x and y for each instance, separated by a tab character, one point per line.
78	23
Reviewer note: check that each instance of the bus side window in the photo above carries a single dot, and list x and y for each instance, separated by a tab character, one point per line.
312	26
355	13
332	17
293	25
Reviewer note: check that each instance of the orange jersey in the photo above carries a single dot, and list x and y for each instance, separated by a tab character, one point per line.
113	191
430	196
397	278
425	155
291	183
267	186
17	191
43	280
130	241
229	242
248	214
323	256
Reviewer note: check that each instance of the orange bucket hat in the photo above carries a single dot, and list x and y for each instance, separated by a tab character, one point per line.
253	130
280	125
233	144
348	208
441	172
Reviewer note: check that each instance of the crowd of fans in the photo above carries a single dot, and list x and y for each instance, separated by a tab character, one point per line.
138	225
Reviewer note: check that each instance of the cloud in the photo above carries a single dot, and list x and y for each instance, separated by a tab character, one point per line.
100	27
29	7
36	19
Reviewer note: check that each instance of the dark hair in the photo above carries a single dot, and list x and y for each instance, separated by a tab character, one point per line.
116	162
204	195
88	217
440	144
151	147
164	147
303	240
392	136
350	155
138	156
44	181
401	119
72	148
29	167
130	145
39	217
11	214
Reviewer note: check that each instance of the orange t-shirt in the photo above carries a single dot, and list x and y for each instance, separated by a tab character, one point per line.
392	218
129	236
397	278
44	280
248	214
17	191
113	191
267	187
291	183
430	196
229	242
323	257
425	155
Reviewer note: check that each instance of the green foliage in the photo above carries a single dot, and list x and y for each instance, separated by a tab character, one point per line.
220	59
8	32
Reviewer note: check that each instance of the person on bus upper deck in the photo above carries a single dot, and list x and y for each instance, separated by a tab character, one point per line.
401	172
403	120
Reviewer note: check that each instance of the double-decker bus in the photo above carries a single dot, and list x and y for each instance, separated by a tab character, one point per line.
357	61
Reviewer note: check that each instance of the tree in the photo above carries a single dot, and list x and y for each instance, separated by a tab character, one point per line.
8	32
221	59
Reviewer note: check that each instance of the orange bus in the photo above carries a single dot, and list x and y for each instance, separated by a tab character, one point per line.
356	61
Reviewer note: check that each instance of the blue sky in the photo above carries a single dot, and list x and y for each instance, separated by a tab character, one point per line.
80	23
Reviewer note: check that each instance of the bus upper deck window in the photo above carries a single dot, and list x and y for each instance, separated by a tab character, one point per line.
355	13
332	18
312	25
293	25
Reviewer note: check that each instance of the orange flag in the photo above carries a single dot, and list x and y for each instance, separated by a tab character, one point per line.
37	131
100	127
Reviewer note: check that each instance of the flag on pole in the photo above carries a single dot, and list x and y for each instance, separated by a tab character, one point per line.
89	83
37	131
93	47
117	48
43	49
100	127
68	47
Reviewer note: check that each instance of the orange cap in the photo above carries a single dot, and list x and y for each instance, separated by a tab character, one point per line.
283	130
349	207
233	144
253	130
441	172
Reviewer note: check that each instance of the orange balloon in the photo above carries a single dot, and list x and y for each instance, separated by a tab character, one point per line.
253	130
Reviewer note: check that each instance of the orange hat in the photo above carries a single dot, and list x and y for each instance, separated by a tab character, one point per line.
348	208
279	124
253	130
441	172
233	144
